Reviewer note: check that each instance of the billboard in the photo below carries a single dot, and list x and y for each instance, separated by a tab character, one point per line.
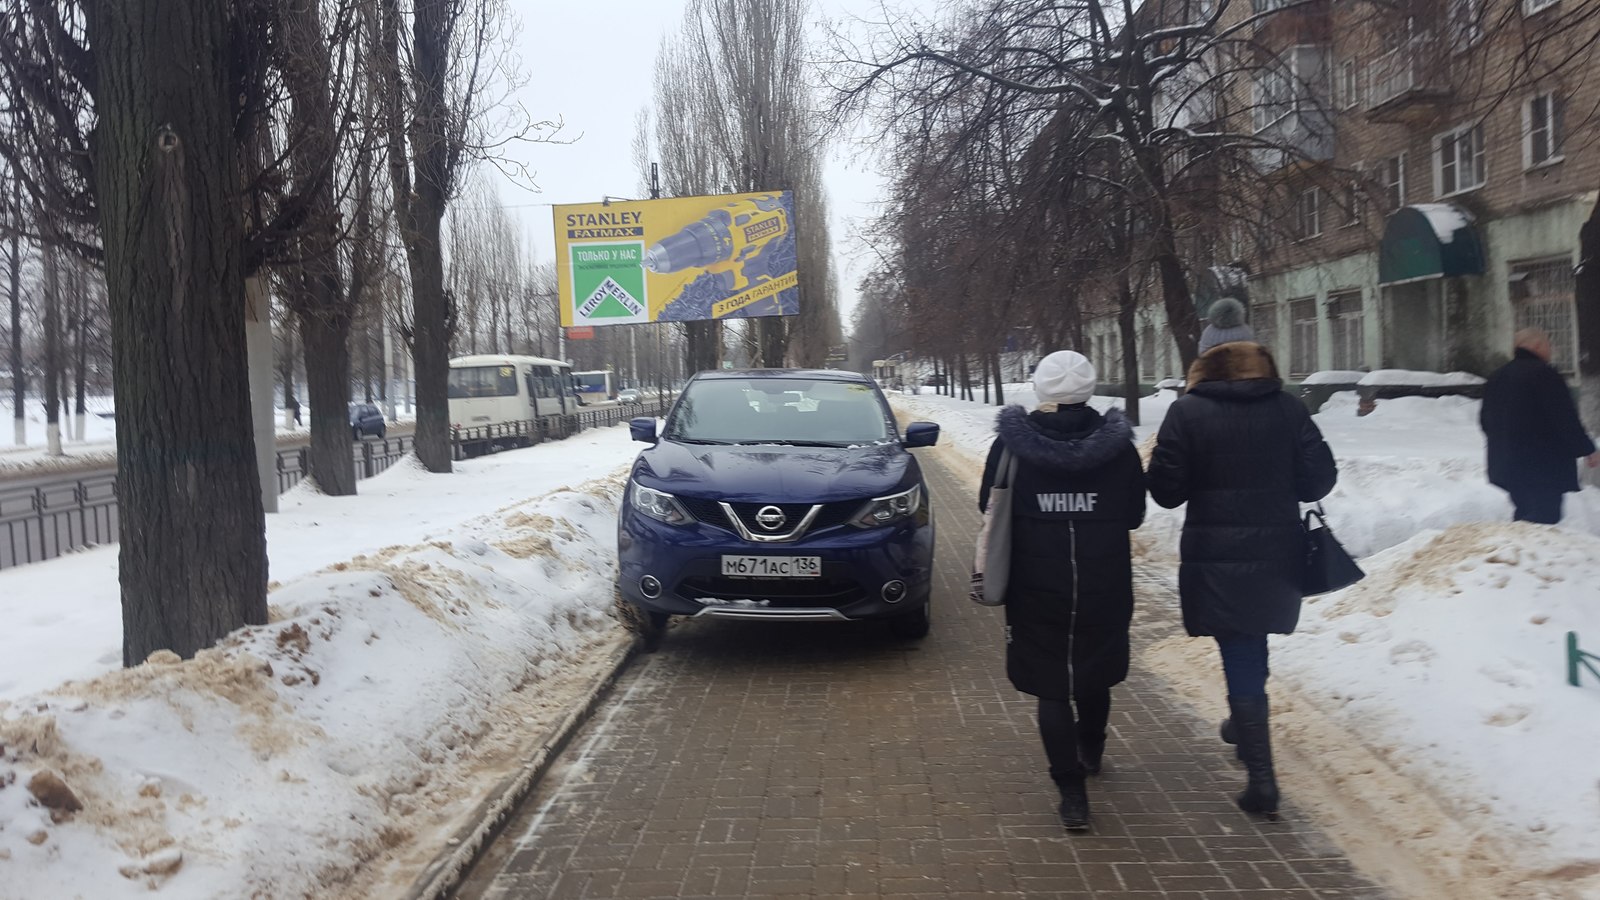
679	260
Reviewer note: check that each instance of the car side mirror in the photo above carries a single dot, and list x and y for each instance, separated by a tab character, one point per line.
921	434
644	429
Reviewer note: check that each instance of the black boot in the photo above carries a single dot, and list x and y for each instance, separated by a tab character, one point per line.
1230	736
1090	752
1074	802
1250	726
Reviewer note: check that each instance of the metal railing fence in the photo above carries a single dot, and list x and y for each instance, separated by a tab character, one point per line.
43	521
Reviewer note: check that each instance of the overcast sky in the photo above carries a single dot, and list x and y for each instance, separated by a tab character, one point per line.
592	64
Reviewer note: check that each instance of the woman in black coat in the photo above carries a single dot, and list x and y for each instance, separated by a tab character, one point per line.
1243	454
1079	490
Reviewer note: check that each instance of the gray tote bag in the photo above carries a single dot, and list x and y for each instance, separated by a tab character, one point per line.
991	567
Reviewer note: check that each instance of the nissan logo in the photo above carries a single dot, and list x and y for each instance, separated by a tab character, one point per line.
770	518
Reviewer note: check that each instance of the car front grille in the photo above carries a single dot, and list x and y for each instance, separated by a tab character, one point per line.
779	592
831	515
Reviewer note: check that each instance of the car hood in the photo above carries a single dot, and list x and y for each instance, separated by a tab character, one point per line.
769	473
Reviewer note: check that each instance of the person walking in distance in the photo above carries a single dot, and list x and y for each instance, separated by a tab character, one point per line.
1243	455
1533	431
1078	491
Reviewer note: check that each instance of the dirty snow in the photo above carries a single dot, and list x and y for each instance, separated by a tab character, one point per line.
420	631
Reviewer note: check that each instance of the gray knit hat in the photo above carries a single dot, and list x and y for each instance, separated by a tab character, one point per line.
1226	318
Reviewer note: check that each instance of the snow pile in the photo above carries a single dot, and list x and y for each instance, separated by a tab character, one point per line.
1408	378
297	758
1449	662
1333	376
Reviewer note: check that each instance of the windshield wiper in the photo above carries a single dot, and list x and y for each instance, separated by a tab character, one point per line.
785	443
690	440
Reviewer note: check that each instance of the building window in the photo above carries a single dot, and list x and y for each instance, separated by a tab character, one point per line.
1541	130
1303	336
1542	295
1345	330
1392	174
1264	322
1147	353
1458	160
1274	95
1307	214
1466	23
1347	85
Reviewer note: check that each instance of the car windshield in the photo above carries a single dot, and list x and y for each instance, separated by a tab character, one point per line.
778	411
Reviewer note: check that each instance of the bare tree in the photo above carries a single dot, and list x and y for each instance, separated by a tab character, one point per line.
19	378
1161	83
733	112
436	96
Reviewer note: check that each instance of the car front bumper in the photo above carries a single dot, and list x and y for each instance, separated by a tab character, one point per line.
857	564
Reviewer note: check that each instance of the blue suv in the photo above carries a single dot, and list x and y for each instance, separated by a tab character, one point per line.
779	494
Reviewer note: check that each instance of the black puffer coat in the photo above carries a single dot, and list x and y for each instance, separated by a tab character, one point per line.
1243	454
1079	491
1532	428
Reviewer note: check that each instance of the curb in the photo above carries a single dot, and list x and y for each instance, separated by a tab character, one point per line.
450	866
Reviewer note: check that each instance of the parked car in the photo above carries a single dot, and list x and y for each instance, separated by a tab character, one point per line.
779	494
366	419
629	395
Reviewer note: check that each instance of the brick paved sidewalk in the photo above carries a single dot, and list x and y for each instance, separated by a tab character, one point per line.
821	760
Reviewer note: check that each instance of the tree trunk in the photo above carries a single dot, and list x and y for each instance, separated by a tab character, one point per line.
999	389
193	560
772	336
327	340
701	350
1587	298
286	371
324	308
1127	306
19	378
80	354
52	348
1182	320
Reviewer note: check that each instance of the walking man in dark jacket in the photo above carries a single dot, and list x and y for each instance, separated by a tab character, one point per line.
1533	431
1243	454
1078	491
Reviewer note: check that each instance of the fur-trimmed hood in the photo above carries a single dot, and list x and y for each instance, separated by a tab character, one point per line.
1031	439
1234	363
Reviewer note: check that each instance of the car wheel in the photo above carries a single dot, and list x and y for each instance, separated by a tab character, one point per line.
655	629
382	431
913	625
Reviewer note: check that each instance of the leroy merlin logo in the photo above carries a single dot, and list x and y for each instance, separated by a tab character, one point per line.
608	284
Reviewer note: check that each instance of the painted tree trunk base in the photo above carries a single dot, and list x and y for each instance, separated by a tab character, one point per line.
19	431
52	437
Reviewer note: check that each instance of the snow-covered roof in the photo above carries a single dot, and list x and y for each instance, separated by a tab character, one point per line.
1446	219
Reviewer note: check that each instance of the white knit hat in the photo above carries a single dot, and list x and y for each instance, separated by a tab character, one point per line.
1064	377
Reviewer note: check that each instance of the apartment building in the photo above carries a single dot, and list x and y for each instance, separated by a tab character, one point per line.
1444	154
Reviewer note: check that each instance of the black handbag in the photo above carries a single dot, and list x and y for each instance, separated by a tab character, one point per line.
1328	566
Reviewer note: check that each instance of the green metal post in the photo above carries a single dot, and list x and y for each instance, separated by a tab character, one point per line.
1572	658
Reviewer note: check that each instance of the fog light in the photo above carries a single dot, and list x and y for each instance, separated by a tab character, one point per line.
650	587
894	591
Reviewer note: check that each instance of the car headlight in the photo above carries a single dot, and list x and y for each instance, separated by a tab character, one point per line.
658	505
889	510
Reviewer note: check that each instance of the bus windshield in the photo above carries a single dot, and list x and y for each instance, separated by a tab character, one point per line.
483	381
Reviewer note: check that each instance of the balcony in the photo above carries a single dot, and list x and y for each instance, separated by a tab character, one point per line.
1303	136
1407	81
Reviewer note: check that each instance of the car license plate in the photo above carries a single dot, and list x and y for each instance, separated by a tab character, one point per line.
773	566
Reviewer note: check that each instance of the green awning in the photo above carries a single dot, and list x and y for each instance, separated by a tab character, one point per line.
1429	240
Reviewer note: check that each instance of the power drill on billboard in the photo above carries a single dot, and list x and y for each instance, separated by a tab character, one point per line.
729	244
